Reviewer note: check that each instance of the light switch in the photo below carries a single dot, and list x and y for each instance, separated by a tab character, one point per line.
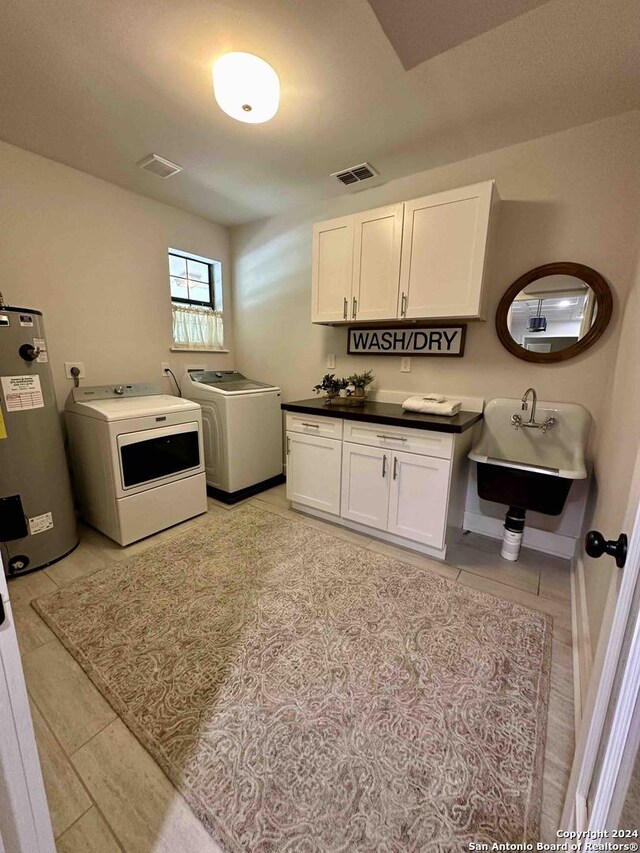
405	365
331	360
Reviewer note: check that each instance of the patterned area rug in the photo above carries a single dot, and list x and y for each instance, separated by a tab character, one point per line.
305	694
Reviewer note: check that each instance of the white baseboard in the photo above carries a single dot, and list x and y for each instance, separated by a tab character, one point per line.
373	532
539	540
581	636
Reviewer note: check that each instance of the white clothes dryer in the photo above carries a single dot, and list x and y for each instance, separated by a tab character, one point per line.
137	459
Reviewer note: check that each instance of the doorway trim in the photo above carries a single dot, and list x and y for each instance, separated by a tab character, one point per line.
581	641
575	815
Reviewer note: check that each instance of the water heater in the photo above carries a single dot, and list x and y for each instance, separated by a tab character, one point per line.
37	518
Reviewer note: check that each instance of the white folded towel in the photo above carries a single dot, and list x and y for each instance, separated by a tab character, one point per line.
432	405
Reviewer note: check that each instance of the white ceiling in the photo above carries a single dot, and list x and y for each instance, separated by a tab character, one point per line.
419	30
99	84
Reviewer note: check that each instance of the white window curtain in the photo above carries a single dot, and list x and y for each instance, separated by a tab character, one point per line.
197	328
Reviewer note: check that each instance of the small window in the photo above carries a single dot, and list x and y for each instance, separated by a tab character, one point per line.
196	301
191	281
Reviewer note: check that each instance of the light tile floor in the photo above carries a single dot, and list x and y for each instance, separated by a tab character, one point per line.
107	794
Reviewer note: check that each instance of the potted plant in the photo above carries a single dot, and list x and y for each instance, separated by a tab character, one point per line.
358	382
330	386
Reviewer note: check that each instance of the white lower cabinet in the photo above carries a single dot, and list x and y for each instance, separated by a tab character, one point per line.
418	500
365	484
400	493
404	483
313	471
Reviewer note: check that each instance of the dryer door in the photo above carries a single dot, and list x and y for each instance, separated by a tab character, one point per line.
158	455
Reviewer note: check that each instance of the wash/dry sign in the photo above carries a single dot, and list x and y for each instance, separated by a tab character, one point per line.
417	340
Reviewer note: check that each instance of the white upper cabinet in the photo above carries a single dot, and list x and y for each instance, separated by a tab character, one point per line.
420	259
332	269
444	245
377	242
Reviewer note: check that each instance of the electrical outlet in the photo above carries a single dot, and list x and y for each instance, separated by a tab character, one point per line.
67	369
405	365
164	367
331	360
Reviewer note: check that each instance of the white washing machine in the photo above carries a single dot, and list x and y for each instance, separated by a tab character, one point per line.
137	459
242	432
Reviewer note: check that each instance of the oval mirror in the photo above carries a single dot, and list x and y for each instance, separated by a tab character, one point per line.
554	312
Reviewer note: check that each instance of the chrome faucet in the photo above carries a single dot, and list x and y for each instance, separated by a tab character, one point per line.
518	421
534	403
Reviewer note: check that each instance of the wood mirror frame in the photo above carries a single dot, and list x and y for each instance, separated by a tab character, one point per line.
604	303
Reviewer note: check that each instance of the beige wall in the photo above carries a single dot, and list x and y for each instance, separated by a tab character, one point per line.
571	196
617	448
92	258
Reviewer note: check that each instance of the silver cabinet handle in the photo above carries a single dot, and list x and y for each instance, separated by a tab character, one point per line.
344	310
288	445
392	437
403	305
354	309
384	465
315	426
395	467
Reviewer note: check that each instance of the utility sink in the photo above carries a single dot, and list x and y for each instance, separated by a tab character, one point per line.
524	465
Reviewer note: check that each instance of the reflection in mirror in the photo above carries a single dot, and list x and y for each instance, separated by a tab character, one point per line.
552	313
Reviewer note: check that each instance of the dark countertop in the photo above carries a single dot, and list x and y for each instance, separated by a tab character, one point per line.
390	414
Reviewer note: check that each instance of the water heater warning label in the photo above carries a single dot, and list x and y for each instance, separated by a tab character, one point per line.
22	393
40	523
41	344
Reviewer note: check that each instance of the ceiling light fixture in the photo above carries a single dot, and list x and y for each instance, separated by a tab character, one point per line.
539	322
246	87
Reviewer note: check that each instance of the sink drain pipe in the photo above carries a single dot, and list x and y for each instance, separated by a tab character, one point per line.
513	530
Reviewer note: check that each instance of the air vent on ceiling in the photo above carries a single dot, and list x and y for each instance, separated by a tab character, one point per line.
159	166
355	174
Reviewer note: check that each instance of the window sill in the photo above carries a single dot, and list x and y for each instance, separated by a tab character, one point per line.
196	349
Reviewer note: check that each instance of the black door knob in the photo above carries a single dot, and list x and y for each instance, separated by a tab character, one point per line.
596	545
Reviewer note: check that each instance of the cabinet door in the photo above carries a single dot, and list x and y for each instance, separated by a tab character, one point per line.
365	484
419	497
444	242
332	266
376	263
313	471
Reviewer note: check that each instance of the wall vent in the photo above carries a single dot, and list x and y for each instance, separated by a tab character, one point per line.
355	174
159	166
